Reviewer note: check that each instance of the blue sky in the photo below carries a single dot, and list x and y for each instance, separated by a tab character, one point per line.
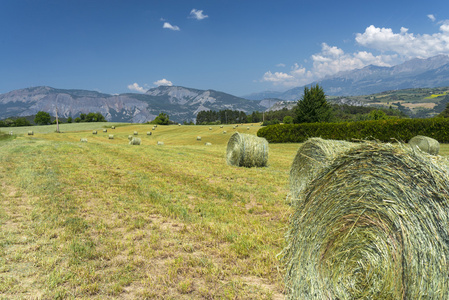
234	46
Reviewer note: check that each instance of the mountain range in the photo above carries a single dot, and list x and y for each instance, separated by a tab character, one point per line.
415	73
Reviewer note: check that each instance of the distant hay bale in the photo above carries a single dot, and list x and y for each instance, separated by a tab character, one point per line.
237	125
154	128
112	127
105	130
198	138
135	141
149	133
210	128
94	132
179	124
208	144
30	132
160	143
246	150
247	128
425	144
313	155
111	136
221	126
136	133
83	140
11	133
130	137
374	224
224	132
233	127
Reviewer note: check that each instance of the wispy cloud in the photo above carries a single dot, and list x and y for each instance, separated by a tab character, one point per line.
170	26
163	82
393	47
281	65
197	14
431	17
136	87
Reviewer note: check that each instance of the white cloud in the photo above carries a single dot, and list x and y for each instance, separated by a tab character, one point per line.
136	87
171	27
163	82
431	17
197	14
281	65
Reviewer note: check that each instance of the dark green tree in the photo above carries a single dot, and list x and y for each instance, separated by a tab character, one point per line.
162	119
313	106
445	112
42	118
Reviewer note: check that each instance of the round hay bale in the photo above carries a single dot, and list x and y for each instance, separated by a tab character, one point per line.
179	124
135	141
246	150
11	133
130	137
136	133
105	130
149	133
30	132
154	128
425	144
224	131
233	127
313	155
94	132
208	144
210	128
198	138
247	128
221	126
370	228
112	127
160	143
111	136
83	140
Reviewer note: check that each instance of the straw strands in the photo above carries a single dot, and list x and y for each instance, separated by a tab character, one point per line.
135	141
425	144
314	155
246	150
374	224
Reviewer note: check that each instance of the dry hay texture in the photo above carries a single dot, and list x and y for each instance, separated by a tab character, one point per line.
425	144
246	150
135	141
314	155
372	225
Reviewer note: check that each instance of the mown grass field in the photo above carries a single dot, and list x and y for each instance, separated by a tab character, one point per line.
105	219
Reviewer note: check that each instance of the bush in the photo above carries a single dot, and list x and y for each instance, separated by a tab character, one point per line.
382	130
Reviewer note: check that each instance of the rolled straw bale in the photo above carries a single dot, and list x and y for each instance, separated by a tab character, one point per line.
179	124
160	143
149	133
314	155
83	140
233	127
112	127
221	126
105	130
370	228
210	128
130	137
94	132
136	133
154	128
30	132
198	138
246	150
111	136
135	141
247	128
224	131
425	144
208	144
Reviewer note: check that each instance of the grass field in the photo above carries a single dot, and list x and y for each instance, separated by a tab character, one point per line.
105	219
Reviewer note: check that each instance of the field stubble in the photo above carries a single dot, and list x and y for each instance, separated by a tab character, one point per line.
104	219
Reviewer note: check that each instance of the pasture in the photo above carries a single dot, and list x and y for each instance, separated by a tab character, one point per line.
105	219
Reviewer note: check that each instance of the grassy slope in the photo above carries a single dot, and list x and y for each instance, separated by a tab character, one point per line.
104	219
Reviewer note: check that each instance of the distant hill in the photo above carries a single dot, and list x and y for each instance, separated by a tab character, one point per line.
416	73
180	103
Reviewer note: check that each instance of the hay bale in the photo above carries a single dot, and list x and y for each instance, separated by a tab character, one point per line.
154	128
135	141
247	128
224	131
233	127
425	144
370	228
221	126
30	132
149	133
111	136
130	137
136	133
11	133
83	140
314	155
94	132
210	128
208	144
198	138
160	143
246	150
105	130
179	124
112	127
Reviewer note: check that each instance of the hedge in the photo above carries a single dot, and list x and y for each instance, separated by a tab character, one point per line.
382	130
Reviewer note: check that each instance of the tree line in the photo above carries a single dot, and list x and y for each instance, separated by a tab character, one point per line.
44	118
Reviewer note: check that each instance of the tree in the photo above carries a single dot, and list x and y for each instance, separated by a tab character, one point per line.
162	119
42	118
288	120
313	106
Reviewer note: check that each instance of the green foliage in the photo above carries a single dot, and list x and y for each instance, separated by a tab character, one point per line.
288	120
445	112
42	118
313	106
90	117
162	119
69	120
226	116
377	115
15	122
383	130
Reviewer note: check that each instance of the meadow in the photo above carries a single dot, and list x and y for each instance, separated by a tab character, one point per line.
105	219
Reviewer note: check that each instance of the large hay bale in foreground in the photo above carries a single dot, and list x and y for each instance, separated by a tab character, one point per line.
314	155
135	141
425	144
373	225
246	150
